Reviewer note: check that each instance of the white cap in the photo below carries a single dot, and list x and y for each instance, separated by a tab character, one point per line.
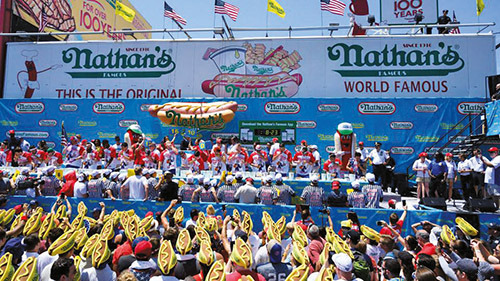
229	178
355	184
269	178
313	147
145	172
343	262
50	169
152	171
95	173
314	178
206	181
107	172
213	182
258	147
238	175
122	177
114	175
370	177
278	177
25	170
435	234
190	179
80	177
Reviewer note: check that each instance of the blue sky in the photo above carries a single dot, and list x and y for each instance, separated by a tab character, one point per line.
299	13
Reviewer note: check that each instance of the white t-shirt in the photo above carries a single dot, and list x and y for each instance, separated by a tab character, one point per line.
43	260
163	278
274	147
45	276
452	169
79	189
105	274
378	157
464	166
364	153
477	164
27	255
136	185
421	165
489	175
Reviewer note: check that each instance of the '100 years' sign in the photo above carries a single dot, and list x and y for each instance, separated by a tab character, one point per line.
426	67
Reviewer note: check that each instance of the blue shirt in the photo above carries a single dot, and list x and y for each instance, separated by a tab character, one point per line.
438	168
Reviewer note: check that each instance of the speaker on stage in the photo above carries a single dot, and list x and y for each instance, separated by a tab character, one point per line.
401	183
483	205
436	203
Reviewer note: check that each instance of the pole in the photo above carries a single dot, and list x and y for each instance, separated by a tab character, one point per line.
227	27
163	34
180	27
267	21
321	12
114	21
214	18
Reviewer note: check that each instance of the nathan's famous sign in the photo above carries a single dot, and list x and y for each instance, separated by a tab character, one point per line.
392	67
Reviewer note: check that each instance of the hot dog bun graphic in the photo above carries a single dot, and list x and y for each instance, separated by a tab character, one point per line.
213	115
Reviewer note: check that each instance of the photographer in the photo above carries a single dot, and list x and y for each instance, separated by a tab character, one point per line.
25	185
168	188
60	201
5	186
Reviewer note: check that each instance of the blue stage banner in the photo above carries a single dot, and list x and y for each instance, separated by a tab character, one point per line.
404	126
367	217
492	118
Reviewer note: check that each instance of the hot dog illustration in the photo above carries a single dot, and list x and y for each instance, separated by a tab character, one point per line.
195	114
252	72
28	79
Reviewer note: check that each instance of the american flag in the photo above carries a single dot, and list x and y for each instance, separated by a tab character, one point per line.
335	7
170	13
224	8
454	30
64	136
43	20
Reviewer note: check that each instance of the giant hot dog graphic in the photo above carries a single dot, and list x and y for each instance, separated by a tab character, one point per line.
200	115
253	72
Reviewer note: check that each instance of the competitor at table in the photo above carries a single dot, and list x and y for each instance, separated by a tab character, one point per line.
110	159
356	166
281	160
303	161
332	166
237	159
73	153
217	161
317	158
168	158
126	157
196	163
257	160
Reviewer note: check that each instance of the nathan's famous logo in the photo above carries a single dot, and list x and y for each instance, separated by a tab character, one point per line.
197	115
83	123
68	107
127	123
116	64
242	107
30	134
420	138
426	108
253	72
47	123
29	107
391	61
329	107
470	108
306	124
401	125
145	107
406	150
282	107
108	107
377	108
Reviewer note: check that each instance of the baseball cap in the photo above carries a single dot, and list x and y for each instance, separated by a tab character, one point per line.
314	178
378	143
449	154
493	149
361	143
275	139
190	179
269	178
355	184
354	236
392	202
33	202
238	175
274	249
258	147
343	262
143	248
465	265
278	177
229	178
249	179
96	210
313	147
494	226
422	154
12	132
303	141
335	185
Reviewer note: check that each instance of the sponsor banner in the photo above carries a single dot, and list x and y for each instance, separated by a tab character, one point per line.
81	15
493	122
266	131
265	69
470	108
426	108
400	128
404	11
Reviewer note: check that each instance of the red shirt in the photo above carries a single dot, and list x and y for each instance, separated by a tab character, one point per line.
398	227
304	156
55	159
123	250
200	165
329	166
235	276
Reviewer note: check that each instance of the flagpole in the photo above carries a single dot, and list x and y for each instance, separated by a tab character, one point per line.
214	18
114	21
163	34
267	21
321	12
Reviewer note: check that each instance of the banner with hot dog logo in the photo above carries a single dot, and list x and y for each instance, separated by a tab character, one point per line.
388	67
405	127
